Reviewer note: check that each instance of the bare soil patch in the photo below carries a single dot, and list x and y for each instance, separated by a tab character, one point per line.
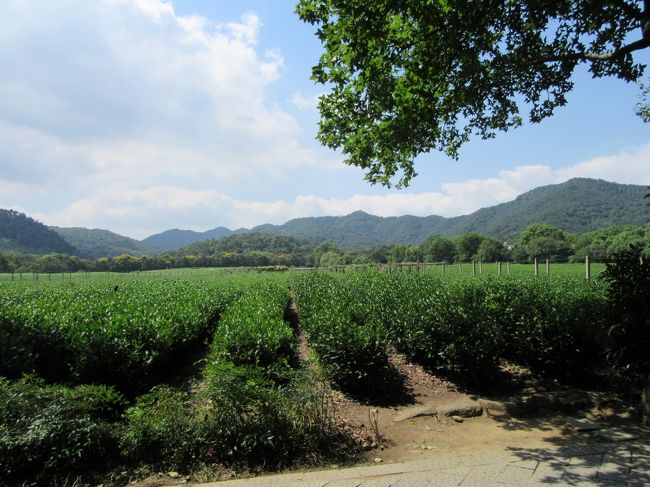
427	435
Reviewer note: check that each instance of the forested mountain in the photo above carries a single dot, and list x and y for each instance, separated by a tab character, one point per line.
20	233
578	205
175	239
247	242
96	243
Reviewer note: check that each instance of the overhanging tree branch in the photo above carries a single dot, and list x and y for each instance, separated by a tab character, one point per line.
602	56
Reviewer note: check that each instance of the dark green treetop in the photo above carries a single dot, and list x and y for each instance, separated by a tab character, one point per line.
411	76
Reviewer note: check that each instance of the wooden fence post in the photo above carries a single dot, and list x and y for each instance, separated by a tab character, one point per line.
480	267
548	267
587	268
508	267
536	268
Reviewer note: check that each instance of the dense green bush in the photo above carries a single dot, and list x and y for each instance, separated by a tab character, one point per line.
239	417
628	276
252	331
457	324
556	325
442	322
52	432
107	333
350	344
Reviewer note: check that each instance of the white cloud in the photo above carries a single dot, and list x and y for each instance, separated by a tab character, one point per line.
127	90
158	208
304	102
124	115
629	166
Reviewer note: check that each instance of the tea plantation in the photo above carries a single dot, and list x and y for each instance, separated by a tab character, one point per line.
115	375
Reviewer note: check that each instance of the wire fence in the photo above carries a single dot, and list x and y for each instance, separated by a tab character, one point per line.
475	268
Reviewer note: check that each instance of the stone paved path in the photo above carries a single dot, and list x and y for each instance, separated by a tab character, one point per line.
595	464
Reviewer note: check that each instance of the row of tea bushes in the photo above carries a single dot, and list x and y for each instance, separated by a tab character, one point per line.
106	333
464	325
237	414
460	325
351	346
252	407
253	331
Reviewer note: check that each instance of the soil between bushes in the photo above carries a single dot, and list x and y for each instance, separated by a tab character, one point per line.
424	436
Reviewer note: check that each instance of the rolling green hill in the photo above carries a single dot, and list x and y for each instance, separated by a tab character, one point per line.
175	239
20	233
578	205
248	242
95	243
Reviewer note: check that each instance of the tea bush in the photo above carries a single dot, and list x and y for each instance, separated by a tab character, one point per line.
556	325
628	276
238	417
252	331
350	344
50	432
117	334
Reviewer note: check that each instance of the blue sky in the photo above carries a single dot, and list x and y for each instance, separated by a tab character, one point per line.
143	115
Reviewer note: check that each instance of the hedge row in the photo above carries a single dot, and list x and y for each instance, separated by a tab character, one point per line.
106	333
351	347
252	331
461	325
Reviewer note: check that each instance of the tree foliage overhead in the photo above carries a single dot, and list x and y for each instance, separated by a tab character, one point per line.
412	76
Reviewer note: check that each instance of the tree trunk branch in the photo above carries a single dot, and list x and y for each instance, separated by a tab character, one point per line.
603	56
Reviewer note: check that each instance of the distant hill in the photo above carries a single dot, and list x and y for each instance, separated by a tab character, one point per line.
95	243
578	205
248	242
175	239
20	233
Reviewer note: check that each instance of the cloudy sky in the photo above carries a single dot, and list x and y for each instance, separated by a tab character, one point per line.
143	115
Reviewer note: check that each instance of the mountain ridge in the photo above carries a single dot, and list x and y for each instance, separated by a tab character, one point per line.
578	205
96	242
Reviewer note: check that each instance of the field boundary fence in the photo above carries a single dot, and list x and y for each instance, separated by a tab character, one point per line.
473	268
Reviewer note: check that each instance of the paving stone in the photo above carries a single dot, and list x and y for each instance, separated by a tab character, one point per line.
592	459
514	475
529	464
482	475
442	480
345	483
381	481
547	473
613	471
618	457
462	471
428	479
615	434
579	476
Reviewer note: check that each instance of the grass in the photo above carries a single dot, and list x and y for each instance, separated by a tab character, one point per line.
181	273
219	272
